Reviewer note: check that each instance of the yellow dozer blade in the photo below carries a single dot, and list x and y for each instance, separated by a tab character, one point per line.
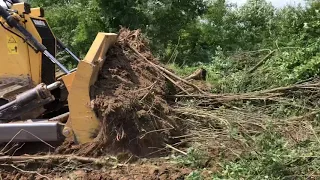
82	125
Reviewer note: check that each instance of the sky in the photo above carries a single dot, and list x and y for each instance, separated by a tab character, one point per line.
276	3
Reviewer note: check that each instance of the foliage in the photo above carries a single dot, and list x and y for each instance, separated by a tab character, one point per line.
77	22
195	158
195	175
275	159
293	32
192	32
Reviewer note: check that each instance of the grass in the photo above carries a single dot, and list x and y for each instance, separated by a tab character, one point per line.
285	144
274	159
195	175
195	158
271	156
273	152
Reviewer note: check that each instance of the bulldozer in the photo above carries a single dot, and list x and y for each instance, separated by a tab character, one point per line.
37	101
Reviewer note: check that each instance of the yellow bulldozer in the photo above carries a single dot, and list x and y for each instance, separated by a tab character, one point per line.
37	103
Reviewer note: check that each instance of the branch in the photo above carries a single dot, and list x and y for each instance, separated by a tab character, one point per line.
165	70
8	159
173	148
298	86
261	62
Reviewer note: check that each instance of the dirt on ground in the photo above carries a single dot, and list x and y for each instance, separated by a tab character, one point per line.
145	170
151	169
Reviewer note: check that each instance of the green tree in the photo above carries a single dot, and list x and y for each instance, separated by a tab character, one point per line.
77	21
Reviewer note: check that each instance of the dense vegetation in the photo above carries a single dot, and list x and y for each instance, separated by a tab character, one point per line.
248	48
221	36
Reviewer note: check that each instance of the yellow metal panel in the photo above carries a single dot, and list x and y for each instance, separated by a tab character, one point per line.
35	58
36	12
14	55
17	57
20	7
68	80
83	120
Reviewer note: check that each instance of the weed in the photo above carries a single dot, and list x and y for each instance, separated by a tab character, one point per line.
195	175
273	159
195	158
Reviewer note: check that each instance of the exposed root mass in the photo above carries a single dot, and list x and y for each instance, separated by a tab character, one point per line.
129	99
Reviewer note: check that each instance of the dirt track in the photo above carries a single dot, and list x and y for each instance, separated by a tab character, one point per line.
137	171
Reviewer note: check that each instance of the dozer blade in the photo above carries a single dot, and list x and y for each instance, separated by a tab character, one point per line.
83	124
